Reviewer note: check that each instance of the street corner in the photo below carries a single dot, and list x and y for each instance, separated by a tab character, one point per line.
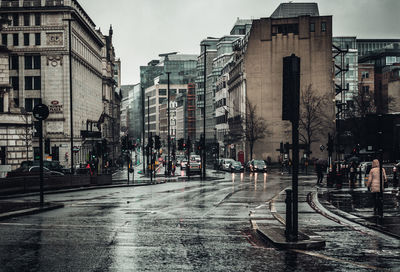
16	209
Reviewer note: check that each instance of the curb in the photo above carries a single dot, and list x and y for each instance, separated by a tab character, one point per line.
51	206
276	235
81	189
339	216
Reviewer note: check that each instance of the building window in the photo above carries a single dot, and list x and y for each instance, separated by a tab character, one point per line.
15	21
1	104
3	155
15	39
16	102
32	83
37	19
364	74
27	20
37	38
162	92
32	62
14	81
26	39
30	103
14	62
365	90
4	39
323	26
312	27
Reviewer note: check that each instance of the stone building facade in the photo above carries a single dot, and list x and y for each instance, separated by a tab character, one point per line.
257	72
15	125
38	38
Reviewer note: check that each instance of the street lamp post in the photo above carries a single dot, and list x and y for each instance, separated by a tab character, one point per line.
169	128
70	94
143	132
204	112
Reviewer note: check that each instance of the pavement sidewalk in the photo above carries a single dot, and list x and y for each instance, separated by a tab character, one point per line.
355	203
315	214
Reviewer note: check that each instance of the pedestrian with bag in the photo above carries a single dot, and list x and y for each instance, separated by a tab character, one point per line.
374	184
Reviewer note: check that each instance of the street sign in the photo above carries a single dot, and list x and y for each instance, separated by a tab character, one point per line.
76	149
41	112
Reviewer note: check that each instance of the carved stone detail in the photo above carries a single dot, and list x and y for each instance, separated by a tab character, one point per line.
54	60
54	38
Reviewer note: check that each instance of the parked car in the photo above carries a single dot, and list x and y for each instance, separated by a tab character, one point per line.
256	166
364	166
51	165
226	164
32	172
236	167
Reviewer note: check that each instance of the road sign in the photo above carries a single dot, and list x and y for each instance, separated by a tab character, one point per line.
41	112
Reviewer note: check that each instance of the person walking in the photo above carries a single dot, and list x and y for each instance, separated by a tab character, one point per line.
374	184
318	169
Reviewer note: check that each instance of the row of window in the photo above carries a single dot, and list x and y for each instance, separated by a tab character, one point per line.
31	82
15	39
323	27
28	19
30	103
31	62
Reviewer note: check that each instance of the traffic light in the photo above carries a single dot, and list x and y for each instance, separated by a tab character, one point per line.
157	142
151	142
188	144
291	88
180	144
286	148
330	144
47	146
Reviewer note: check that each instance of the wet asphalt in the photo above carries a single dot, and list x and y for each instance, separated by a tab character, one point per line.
180	226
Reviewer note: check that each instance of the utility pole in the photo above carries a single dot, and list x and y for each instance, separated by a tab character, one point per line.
169	117
143	132
203	165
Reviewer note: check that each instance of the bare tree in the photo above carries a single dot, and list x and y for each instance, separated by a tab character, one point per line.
255	128
313	117
28	127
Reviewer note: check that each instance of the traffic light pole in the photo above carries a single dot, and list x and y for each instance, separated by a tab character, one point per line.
41	161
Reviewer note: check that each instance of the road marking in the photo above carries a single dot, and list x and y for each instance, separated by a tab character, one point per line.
321	256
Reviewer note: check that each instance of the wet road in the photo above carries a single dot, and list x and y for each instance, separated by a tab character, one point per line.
176	226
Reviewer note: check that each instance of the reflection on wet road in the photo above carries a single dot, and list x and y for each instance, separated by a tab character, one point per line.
177	226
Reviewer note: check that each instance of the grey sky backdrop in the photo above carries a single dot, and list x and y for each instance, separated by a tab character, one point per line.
145	28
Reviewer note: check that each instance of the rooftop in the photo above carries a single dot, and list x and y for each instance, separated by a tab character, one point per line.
288	10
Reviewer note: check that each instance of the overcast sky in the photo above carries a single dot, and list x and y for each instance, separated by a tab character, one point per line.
145	28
